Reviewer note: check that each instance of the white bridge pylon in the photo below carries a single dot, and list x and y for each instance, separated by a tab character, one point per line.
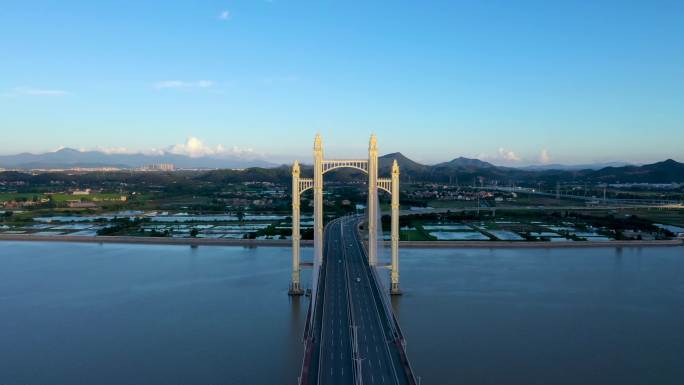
320	167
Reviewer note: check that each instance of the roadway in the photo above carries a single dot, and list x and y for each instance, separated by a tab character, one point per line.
335	357
356	339
376	336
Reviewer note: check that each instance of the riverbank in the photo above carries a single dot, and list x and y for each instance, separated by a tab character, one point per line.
288	243
152	240
527	244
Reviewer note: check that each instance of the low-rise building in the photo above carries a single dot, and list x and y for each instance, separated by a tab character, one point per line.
80	205
81	192
159	167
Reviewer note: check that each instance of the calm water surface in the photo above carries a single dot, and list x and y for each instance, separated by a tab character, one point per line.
141	314
545	316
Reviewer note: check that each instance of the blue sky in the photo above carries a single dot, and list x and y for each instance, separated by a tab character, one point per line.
511	82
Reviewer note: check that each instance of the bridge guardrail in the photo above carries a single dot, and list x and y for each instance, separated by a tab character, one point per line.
324	273
309	337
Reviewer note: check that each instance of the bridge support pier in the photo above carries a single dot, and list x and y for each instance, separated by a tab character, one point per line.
318	200
394	274
295	287
371	209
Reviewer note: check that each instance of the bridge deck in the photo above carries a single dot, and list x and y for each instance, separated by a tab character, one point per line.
353	337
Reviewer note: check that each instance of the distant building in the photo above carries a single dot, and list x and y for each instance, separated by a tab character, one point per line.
159	167
21	204
81	205
81	192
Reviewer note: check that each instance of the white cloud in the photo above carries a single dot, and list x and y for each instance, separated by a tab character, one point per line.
109	150
194	147
39	91
508	155
502	156
235	150
544	157
224	15
183	84
153	151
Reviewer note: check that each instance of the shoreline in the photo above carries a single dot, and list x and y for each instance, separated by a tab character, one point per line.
308	243
528	244
152	240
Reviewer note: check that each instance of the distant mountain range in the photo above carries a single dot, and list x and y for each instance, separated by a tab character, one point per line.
70	158
590	166
459	170
465	171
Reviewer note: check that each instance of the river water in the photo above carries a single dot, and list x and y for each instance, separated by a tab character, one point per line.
147	314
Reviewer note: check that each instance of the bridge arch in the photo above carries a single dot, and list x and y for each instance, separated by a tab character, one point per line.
358	164
321	166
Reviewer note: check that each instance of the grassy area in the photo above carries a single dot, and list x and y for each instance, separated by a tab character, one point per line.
414	235
665	216
6	197
439	204
59	198
90	198
615	224
536	200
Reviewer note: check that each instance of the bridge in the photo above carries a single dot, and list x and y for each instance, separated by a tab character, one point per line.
322	166
351	335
